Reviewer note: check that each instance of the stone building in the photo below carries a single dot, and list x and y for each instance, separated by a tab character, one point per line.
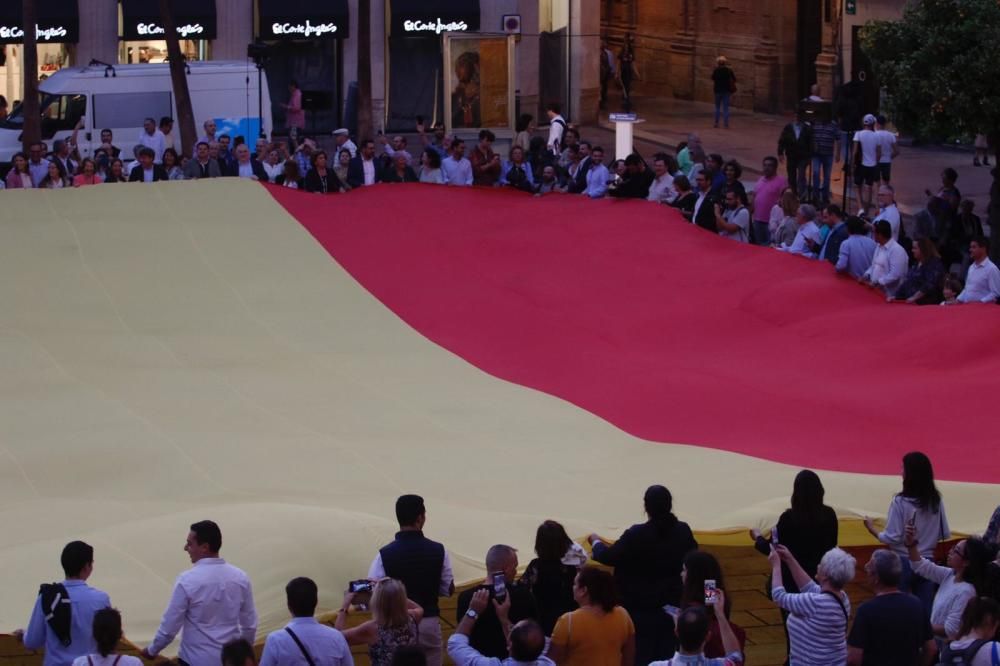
777	48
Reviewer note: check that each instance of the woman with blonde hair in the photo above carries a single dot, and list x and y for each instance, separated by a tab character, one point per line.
782	224
394	621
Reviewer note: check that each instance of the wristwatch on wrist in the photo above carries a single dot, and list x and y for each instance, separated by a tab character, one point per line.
471	613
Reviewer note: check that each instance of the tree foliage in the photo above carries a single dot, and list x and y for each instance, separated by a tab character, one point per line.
939	65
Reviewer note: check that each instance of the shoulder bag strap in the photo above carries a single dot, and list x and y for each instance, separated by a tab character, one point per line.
117	659
840	602
996	654
302	647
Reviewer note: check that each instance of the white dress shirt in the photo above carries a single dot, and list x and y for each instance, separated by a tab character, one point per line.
662	189
456	172
556	130
273	171
368	166
702	197
325	645
38	171
212	603
891	215
807	232
154	141
887	141
377	571
982	285
889	265
597	181
245	169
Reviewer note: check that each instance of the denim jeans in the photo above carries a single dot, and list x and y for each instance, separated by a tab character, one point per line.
826	162
761	233
722	103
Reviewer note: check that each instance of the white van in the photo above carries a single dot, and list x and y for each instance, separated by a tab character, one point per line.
120	97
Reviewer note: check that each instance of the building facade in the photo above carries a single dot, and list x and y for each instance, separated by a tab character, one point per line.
315	43
777	48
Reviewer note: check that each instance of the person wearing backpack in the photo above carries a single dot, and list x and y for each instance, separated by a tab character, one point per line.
734	221
107	632
63	617
978	645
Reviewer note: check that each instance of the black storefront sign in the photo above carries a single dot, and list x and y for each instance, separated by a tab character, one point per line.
193	19
58	22
303	19
415	18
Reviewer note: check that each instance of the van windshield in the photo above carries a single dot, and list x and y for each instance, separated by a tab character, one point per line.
59	112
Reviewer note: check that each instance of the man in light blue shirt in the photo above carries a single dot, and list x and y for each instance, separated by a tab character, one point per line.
526	639
304	635
84	602
456	169
856	252
598	175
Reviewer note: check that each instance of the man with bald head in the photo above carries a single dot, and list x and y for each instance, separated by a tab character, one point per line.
525	639
487	635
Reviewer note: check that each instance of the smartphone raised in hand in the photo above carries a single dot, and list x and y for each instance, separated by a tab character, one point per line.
711	592
499	587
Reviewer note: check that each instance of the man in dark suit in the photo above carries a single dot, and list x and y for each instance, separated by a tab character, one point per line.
635	184
202	166
146	171
834	218
579	182
363	169
704	208
795	149
247	167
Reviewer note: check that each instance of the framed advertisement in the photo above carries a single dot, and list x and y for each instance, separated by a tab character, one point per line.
479	82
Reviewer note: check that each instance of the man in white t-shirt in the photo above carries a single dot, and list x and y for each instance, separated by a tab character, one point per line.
866	158
151	137
888	150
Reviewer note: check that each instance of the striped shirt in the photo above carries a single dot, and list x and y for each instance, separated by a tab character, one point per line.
825	135
817	628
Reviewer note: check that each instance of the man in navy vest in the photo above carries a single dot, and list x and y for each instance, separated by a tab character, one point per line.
424	568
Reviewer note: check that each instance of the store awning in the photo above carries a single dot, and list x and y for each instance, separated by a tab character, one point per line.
57	22
433	17
194	19
303	19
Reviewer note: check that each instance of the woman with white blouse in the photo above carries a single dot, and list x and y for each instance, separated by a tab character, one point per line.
107	634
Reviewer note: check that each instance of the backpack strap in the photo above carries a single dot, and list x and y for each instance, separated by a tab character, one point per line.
117	659
840	602
302	647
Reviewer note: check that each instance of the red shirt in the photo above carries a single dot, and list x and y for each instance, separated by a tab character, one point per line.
485	169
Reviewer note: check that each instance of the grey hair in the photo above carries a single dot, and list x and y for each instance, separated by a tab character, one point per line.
808	211
838	566
887	566
498	556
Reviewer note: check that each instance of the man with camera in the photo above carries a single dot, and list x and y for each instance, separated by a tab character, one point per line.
525	639
488	636
423	566
733	221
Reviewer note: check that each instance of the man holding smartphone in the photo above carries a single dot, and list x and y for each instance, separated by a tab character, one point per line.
487	636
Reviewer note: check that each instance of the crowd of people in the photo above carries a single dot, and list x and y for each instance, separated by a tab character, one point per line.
666	602
942	260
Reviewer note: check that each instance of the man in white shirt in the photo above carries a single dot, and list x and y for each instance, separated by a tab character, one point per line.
557	127
734	221
598	174
888	150
455	168
362	170
888	210
807	239
152	138
324	645
982	284
167	129
397	147
209	127
424	568
37	164
212	603
889	263
343	139
866	153
662	188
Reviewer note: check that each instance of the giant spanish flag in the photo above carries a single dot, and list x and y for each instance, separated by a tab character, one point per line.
287	364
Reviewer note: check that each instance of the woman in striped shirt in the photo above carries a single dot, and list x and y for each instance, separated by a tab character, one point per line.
818	614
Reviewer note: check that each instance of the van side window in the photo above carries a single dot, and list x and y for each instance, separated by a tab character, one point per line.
121	110
61	112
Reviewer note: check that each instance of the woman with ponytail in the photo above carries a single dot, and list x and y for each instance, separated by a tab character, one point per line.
107	634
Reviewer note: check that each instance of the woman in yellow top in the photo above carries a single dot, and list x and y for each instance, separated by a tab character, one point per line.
600	632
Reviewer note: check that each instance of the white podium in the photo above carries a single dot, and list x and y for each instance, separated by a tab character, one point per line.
624	123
